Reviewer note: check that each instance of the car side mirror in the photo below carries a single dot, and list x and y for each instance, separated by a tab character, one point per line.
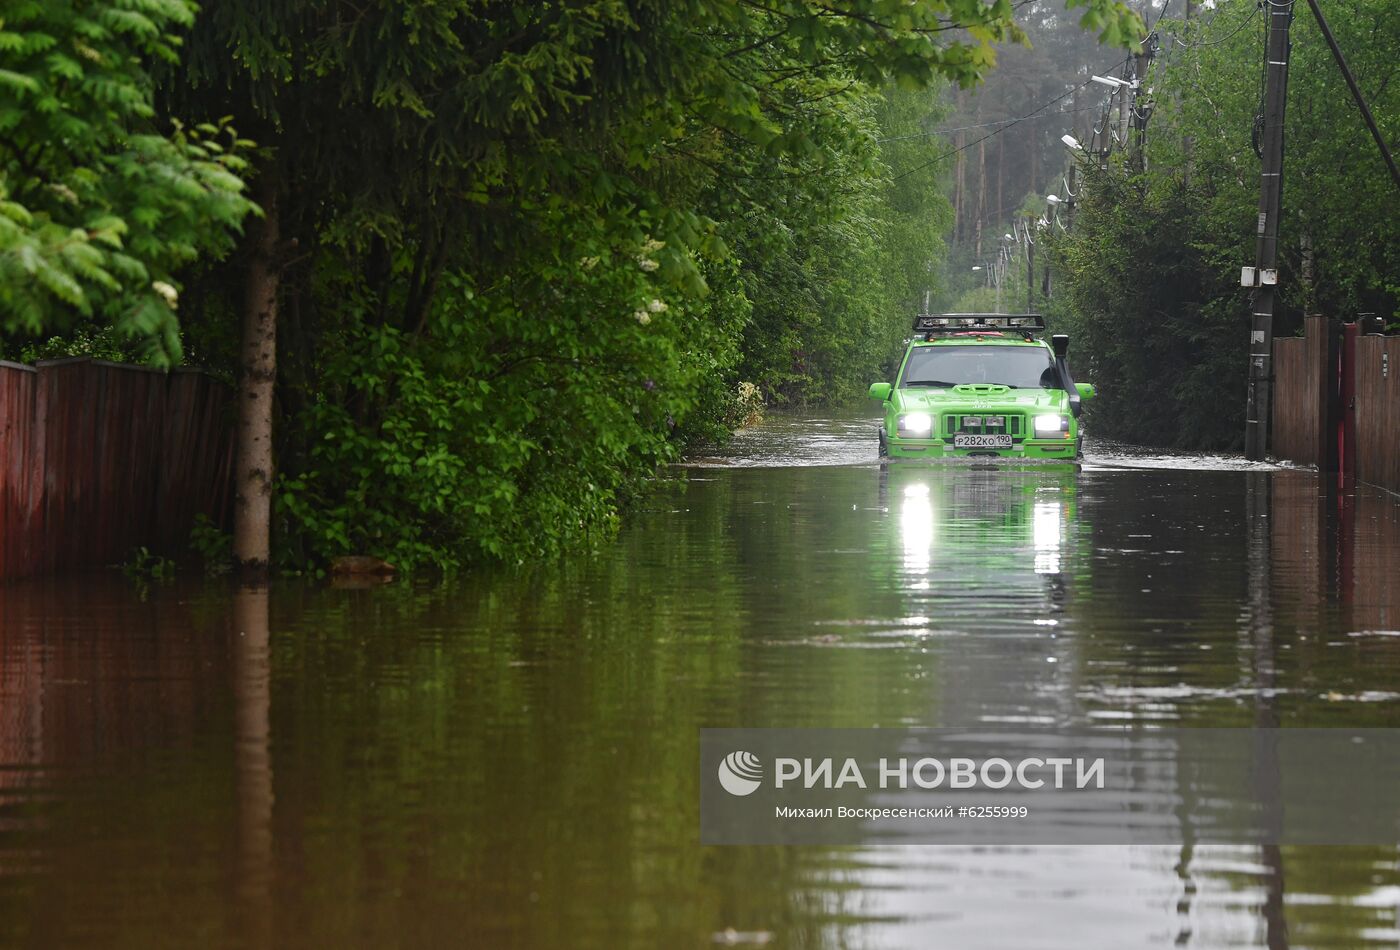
880	391
1086	391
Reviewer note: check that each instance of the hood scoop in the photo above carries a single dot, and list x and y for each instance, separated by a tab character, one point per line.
981	389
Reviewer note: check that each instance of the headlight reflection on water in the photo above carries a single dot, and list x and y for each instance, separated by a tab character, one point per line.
919	532
1047	534
916	530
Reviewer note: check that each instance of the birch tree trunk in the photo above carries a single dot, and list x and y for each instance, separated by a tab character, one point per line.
253	471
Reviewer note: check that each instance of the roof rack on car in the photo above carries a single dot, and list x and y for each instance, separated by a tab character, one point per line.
1023	324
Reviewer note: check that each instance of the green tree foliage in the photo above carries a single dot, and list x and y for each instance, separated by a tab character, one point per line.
101	205
526	242
1148	280
836	252
1155	324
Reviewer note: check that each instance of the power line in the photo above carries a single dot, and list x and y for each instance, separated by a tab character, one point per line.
1011	124
980	125
1160	13
1254	11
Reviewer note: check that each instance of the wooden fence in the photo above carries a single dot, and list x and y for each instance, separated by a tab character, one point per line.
1298	364
100	459
1312	423
1378	411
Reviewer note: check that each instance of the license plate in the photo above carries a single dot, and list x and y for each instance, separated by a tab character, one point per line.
964	441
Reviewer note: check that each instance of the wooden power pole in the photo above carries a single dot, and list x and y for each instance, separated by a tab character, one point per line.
1265	278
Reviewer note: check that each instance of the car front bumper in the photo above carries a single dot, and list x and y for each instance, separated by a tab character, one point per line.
1027	450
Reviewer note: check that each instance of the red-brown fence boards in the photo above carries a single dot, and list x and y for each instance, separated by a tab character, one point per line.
1302	368
100	459
1294	402
20	510
1378	410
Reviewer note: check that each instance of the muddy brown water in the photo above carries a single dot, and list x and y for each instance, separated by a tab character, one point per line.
509	760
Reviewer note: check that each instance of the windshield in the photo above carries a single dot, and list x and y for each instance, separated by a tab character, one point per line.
1020	367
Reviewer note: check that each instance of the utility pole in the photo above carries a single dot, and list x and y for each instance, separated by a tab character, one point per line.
1123	109
1261	334
1030	269
997	268
1188	144
1142	100
1071	180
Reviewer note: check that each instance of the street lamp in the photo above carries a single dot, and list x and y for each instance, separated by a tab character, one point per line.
1052	200
1103	81
1113	83
1072	142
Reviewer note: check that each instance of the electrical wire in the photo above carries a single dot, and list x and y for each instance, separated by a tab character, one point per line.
1254	12
1160	13
981	125
962	148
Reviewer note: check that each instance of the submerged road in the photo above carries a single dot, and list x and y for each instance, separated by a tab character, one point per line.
510	760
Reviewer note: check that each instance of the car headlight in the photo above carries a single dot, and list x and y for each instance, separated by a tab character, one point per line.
916	423
1051	424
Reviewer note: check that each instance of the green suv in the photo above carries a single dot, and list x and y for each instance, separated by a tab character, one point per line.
982	385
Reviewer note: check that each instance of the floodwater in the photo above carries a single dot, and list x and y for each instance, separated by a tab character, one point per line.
510	760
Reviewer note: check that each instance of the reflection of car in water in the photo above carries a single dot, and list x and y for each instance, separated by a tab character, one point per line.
1010	522
982	385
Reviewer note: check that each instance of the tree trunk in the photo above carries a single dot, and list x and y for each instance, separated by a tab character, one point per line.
958	193
981	191
959	199
252	516
1034	144
1001	174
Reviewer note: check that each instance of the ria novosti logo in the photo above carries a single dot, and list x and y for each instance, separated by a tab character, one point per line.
740	773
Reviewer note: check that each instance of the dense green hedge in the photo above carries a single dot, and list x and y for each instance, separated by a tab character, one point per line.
1147	279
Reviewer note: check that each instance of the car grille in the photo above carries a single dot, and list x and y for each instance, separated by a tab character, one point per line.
989	423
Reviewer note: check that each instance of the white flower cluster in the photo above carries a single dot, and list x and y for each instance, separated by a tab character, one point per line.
643	316
644	260
168	293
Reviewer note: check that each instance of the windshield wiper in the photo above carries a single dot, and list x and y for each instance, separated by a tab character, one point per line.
941	384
